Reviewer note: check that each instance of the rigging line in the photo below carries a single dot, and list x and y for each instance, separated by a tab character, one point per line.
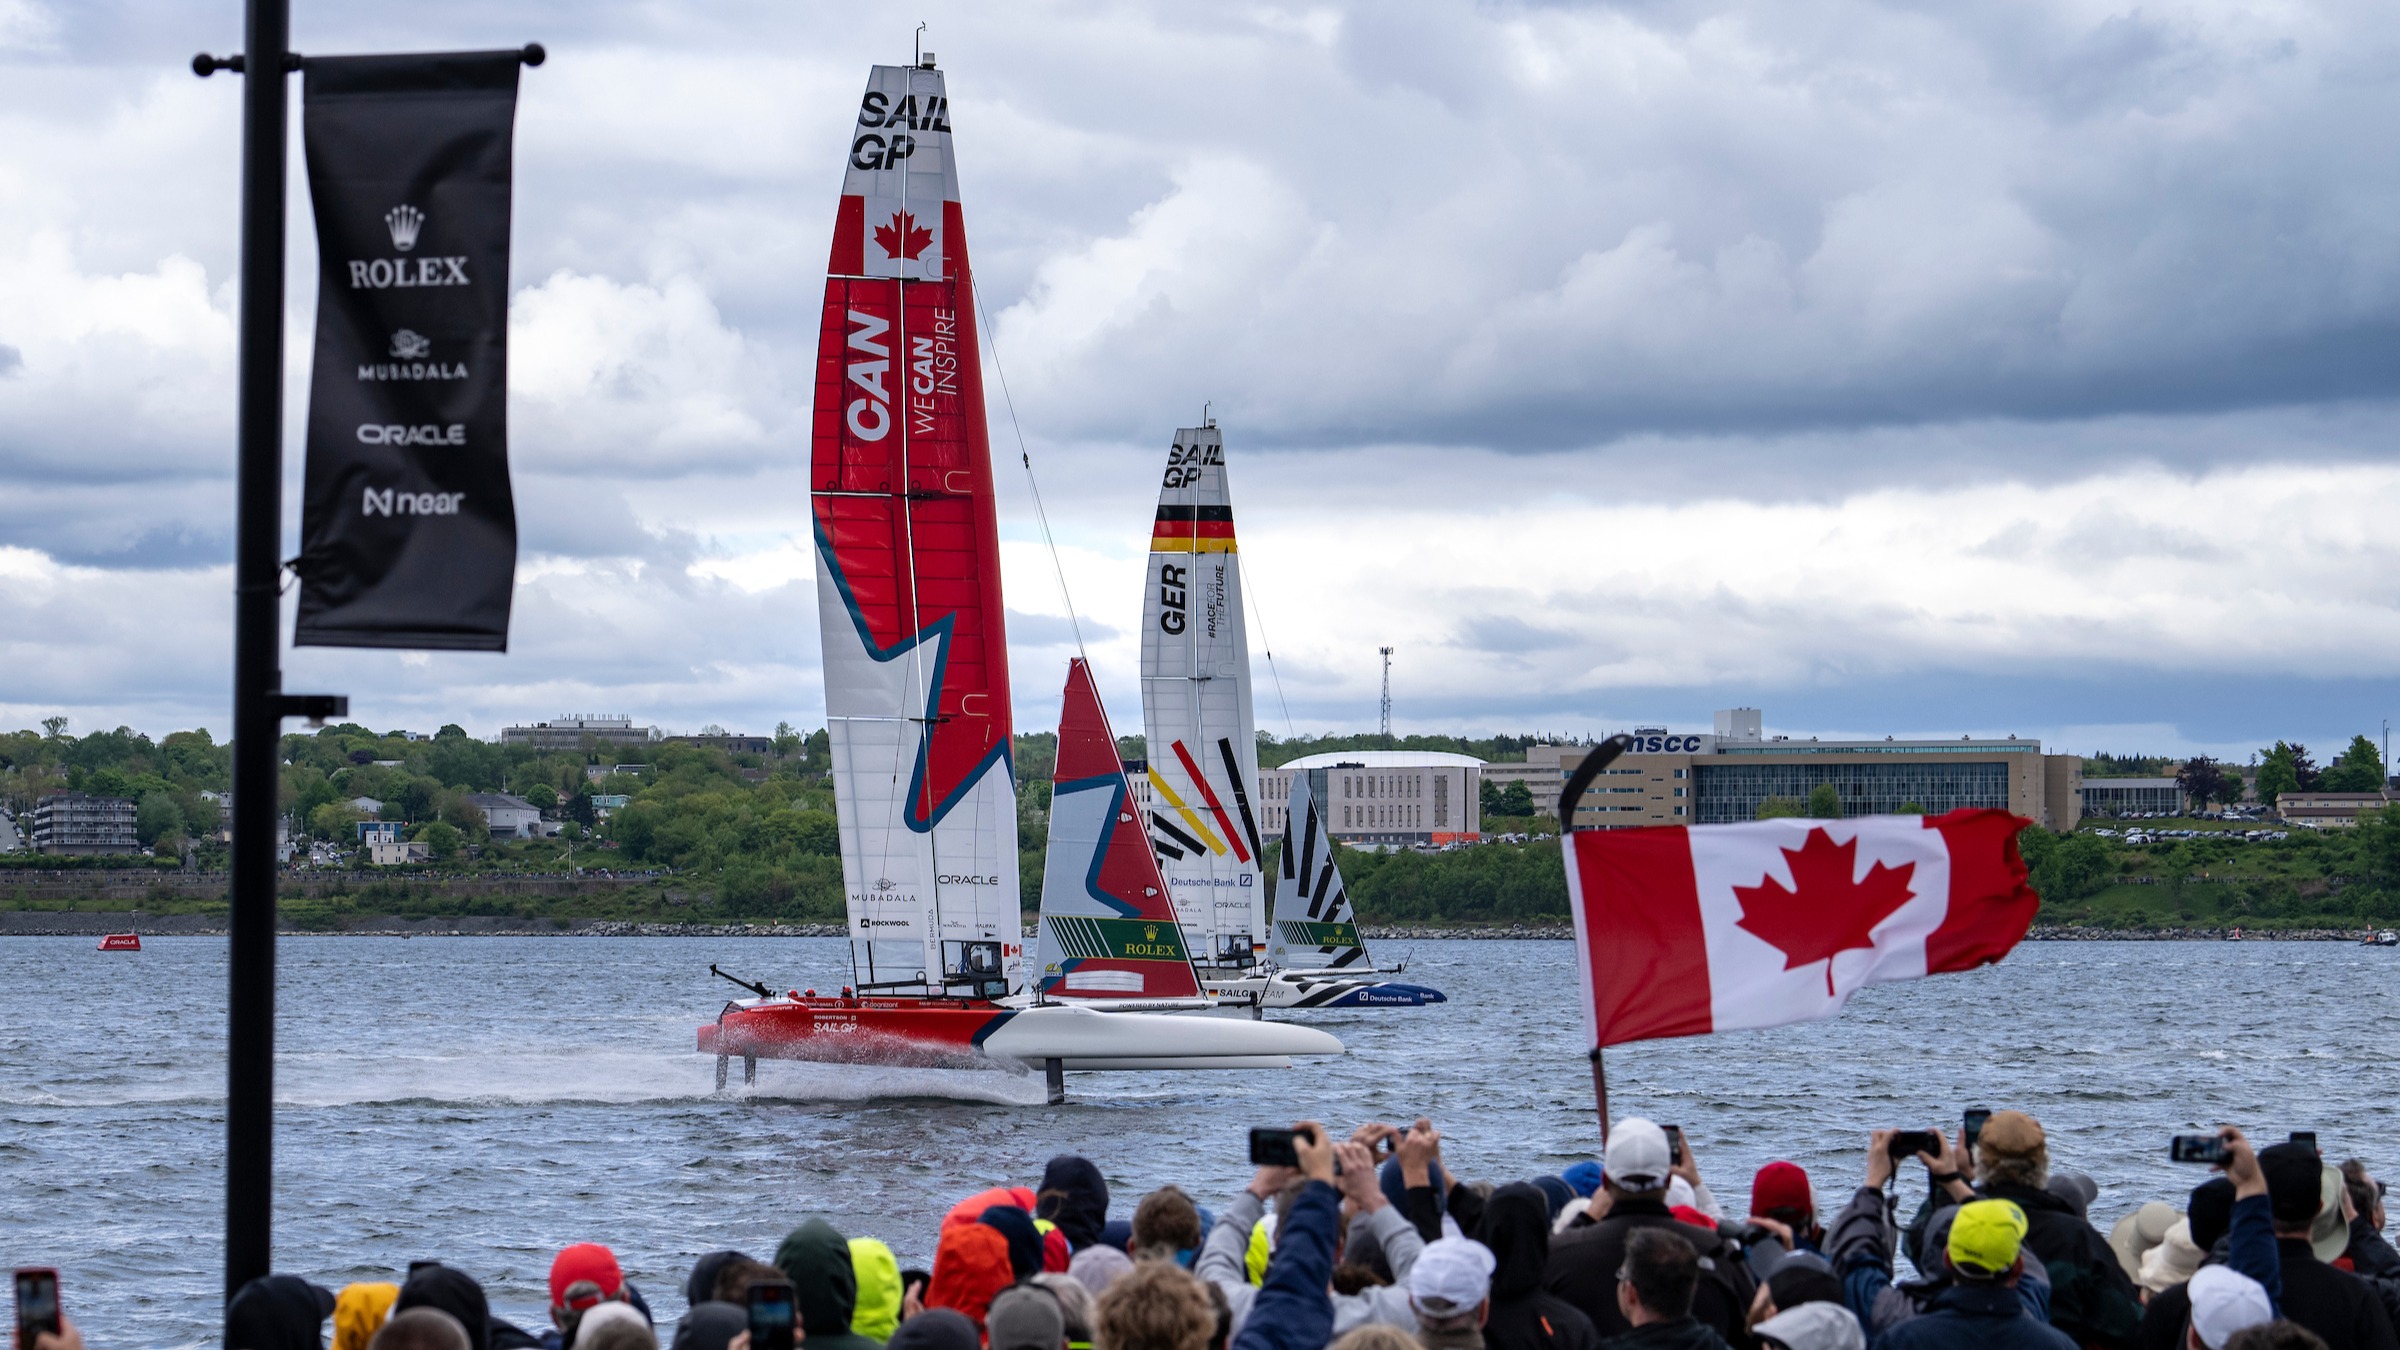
1267	646
1024	456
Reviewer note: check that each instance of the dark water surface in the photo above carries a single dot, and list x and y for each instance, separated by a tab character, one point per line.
489	1100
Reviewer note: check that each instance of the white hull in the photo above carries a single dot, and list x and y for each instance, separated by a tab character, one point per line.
1154	1039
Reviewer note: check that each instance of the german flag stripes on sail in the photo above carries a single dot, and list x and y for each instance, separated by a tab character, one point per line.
1186	528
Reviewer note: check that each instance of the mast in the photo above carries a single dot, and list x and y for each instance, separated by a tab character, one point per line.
1108	930
1203	743
908	571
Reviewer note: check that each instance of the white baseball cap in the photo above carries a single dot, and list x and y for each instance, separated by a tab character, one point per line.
1451	1276
1637	1157
2224	1301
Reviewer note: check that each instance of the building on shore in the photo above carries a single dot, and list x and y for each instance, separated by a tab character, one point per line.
1392	797
573	731
731	742
1678	778
2132	797
77	823
2329	810
509	816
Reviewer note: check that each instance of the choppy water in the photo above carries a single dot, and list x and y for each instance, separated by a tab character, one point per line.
488	1100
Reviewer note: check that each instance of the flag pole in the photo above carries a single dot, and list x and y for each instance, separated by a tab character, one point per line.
1601	756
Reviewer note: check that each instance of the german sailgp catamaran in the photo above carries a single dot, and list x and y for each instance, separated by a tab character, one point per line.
1317	959
1202	746
916	660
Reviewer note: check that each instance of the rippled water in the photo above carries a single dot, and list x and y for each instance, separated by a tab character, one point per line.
488	1100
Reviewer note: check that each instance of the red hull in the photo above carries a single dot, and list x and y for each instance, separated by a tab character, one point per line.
934	1032
121	942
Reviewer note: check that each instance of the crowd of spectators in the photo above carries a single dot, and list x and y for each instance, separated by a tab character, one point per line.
1373	1243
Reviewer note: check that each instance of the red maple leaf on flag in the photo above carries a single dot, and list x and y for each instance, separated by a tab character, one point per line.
1825	913
902	238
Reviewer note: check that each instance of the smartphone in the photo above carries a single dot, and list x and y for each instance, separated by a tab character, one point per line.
1271	1147
1675	1144
1973	1124
37	1304
773	1312
1910	1143
2196	1148
2307	1137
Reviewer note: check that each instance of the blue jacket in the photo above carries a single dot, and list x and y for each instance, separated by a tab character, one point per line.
1294	1306
1971	1316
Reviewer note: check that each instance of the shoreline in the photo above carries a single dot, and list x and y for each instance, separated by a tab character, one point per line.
95	923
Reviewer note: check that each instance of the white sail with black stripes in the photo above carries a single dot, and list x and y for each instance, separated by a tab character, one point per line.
1315	928
1202	743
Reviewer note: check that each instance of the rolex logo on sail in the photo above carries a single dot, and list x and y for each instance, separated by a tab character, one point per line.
404	221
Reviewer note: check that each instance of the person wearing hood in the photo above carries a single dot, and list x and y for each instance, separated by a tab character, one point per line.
1074	1196
1524	1315
1585	1259
816	1259
277	1312
1655	1284
700	1290
877	1312
1224	1256
970	1266
359	1311
454	1292
1985	1256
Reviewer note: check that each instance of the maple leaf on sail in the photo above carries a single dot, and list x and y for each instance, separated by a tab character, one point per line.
902	237
1826	912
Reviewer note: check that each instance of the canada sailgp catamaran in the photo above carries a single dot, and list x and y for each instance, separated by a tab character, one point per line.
1202	745
916	659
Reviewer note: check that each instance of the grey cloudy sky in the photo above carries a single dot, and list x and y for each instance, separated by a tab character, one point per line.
1899	367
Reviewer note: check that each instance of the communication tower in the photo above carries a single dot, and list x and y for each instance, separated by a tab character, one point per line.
1387	693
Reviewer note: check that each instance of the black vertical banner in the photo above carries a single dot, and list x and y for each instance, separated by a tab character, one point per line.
408	533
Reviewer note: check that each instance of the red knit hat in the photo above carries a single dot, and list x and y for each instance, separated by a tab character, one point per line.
585	1261
1781	1185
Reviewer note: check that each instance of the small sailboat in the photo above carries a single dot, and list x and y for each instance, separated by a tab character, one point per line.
916	679
1317	958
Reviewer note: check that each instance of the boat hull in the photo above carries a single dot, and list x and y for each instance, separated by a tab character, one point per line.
121	942
1294	992
957	1033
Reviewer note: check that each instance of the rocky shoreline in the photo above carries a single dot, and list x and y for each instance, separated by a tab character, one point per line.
93	923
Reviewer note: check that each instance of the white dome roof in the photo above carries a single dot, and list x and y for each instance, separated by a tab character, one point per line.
1385	759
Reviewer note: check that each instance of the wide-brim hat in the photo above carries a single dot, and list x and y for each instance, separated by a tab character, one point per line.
2138	1232
2328	1235
2172	1261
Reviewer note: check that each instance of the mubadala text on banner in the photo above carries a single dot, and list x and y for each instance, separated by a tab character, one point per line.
408	530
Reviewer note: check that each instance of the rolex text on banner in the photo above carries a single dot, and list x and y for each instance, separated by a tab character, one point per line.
408	533
1685	930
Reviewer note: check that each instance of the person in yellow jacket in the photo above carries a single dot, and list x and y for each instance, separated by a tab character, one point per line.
877	1313
359	1311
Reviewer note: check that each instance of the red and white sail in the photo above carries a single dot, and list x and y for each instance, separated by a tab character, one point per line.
1108	930
1202	743
908	566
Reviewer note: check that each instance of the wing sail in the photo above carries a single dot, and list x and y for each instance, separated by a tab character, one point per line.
908	569
1203	744
1315	928
1107	928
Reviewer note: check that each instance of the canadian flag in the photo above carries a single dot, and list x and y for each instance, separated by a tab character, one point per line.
1685	930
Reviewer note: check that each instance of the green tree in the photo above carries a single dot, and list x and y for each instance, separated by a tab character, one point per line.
336	821
2360	769
157	817
542	795
1912	808
1773	808
1824	803
1516	800
2284	768
442	839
